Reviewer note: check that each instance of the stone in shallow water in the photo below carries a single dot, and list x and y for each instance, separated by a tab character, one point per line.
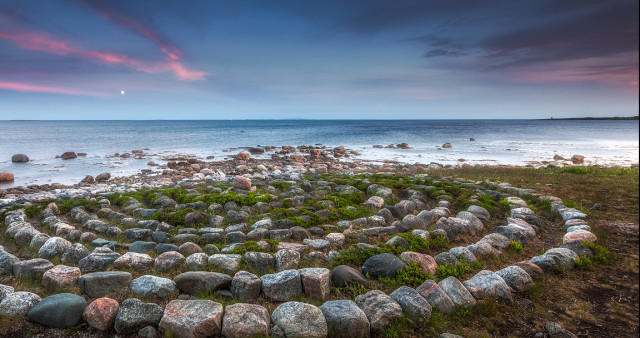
192	318
412	303
297	319
101	313
245	320
379	308
61	310
345	319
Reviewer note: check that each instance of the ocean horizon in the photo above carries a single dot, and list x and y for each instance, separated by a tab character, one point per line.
496	141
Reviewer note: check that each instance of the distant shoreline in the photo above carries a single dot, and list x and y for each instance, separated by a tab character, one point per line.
616	118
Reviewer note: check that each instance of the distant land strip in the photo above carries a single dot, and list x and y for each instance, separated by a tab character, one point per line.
594	118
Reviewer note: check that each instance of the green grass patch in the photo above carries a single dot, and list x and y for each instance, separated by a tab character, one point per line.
458	270
89	205
601	254
412	275
514	247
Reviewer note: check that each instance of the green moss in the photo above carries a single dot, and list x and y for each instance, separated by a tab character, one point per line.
66	205
415	242
514	247
583	262
412	275
458	270
32	211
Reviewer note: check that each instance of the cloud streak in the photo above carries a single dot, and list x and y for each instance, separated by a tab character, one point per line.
35	41
31	88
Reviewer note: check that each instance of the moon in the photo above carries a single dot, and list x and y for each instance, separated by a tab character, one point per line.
122	92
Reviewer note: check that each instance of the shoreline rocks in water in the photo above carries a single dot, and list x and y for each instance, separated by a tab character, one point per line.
68	155
18	158
6	177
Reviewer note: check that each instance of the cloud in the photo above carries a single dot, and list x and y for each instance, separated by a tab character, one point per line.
31	88
173	53
443	52
36	41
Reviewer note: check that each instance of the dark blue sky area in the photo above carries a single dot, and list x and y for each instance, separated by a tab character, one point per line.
66	59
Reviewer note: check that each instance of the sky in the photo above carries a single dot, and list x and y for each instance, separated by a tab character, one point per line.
329	59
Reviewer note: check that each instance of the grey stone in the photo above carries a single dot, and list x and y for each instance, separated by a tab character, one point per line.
161	248
282	286
6	262
61	310
454	226
134	314
245	320
488	284
18	304
98	260
197	282
228	263
260	261
579	248
147	332
345	319
382	265
343	276
379	308
445	258
169	260
565	258
457	292
197	261
496	240
463	254
53	247
556	330
544	262
300	320
38	241
32	268
153	286
99	284
192	318
480	212
141	247
437	297
316	282
246	286
516	277
137	234
412	303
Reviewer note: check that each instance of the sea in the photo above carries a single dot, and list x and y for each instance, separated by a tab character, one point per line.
509	142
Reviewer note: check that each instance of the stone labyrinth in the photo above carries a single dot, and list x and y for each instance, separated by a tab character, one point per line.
328	255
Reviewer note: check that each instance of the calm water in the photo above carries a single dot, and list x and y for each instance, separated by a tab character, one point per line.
497	141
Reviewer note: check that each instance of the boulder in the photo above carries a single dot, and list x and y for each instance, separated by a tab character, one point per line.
345	319
245	320
199	318
445	258
427	263
103	177
260	261
154	287
74	254
198	282
316	282
579	248
54	247
6	177
516	277
18	304
168	260
496	240
343	276
412	303
137	261
246	286
580	235
282	286
475	223
379	308
60	311
534	271
98	260
480	212
228	263
134	314
300	320
99	284
544	262
38	241
457	292
68	155
101	313
488	284
17	158
32	268
240	182
454	226
564	258
436	297
463	254
61	276
5	290
382	265
6	262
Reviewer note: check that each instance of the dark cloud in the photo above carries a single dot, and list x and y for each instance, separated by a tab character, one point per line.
443	52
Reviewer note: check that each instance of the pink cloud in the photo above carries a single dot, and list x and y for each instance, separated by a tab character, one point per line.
30	88
29	40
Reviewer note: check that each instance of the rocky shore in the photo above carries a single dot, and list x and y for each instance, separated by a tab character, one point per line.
300	245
